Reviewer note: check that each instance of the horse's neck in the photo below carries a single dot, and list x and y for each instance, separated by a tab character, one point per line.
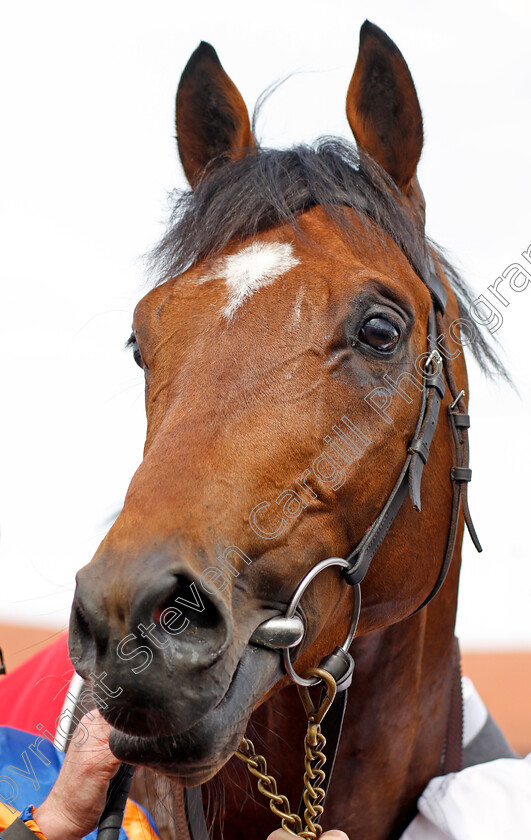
395	727
393	734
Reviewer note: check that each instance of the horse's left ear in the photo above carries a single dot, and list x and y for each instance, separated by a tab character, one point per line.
212	121
384	112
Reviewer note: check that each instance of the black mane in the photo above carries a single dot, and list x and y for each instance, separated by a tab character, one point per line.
240	198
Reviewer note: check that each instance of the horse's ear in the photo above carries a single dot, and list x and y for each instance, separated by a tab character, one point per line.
211	117
383	109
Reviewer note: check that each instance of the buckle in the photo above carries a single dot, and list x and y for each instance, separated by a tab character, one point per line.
436	359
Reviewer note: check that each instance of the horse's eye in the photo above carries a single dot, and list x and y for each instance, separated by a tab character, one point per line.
137	356
380	334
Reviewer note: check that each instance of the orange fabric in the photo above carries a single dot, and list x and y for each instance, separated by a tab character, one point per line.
135	823
8	816
35	828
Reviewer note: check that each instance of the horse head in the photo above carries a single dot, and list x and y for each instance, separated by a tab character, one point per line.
284	349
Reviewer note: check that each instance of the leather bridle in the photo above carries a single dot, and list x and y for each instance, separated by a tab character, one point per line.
276	634
285	633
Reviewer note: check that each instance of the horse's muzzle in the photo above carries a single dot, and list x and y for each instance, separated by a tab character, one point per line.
162	645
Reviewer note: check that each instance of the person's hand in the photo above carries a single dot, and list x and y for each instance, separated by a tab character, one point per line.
280	834
74	805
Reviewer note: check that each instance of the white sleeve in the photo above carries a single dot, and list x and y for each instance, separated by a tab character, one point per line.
489	801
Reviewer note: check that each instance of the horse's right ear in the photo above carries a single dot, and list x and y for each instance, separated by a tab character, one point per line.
211	117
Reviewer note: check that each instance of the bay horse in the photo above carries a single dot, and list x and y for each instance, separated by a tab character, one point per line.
300	347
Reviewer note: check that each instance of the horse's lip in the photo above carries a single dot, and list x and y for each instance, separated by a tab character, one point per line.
197	754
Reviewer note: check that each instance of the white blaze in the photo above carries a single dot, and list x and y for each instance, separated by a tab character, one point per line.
250	269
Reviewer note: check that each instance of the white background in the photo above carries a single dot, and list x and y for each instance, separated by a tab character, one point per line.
88	155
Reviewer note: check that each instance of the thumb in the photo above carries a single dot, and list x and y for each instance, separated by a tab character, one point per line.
334	835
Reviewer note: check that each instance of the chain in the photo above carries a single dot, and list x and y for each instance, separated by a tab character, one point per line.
314	775
279	804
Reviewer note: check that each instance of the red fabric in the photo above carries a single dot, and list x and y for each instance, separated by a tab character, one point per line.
34	692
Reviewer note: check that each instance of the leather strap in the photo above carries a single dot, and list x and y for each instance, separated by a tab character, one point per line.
331	728
459	423
433	389
112	815
411	474
195	815
362	555
460	476
432	281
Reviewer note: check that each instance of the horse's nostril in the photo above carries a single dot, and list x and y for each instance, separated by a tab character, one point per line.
167	616
187	604
177	615
82	625
83	642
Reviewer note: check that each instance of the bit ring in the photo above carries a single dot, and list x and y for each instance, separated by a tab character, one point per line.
294	603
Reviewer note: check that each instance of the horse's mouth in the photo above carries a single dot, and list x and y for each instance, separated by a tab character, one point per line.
196	755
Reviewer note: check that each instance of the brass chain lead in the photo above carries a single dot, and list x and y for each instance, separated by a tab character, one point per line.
314	776
278	803
314	758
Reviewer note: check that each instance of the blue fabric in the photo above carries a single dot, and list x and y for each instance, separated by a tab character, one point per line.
27	814
37	769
